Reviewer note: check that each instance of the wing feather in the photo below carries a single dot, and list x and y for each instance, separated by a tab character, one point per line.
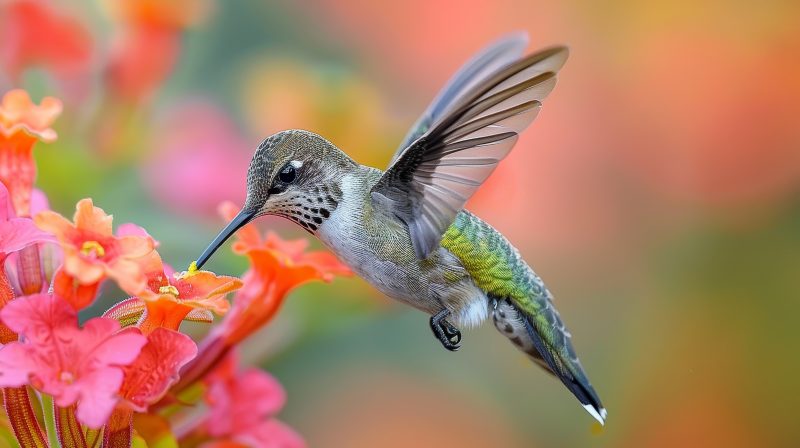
436	173
499	54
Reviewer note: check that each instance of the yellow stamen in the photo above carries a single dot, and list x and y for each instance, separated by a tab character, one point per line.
185	274
94	248
169	289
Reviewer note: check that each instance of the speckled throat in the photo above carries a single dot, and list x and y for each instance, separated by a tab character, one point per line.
311	208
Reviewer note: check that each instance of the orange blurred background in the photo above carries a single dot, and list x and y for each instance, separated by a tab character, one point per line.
658	195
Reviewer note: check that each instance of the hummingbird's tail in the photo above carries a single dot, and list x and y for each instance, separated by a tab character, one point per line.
547	342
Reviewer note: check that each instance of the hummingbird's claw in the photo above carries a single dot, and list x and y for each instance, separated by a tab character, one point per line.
445	332
452	333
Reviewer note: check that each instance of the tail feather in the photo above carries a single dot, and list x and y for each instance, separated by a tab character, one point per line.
554	353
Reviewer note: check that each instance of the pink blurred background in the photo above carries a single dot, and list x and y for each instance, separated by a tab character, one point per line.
658	195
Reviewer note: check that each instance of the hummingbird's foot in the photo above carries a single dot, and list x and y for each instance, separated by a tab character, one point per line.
444	331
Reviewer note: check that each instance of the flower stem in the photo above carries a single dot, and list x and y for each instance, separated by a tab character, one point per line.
70	432
17	401
50	420
118	431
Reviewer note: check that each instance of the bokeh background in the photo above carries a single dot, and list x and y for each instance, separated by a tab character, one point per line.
658	195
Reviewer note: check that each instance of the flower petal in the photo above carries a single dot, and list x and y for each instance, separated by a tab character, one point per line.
17	110
128	275
89	217
61	359
16	365
99	396
6	206
39	202
17	233
85	271
135	246
119	349
156	367
272	434
327	264
52	222
131	229
37	316
77	294
205	289
242	402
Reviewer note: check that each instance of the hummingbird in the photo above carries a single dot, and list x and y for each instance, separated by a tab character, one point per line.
405	230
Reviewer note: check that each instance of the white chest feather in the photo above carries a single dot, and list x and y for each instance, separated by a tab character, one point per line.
379	250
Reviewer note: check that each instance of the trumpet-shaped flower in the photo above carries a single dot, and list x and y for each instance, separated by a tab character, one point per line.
72	364
148	42
156	367
23	123
278	266
170	299
35	33
141	59
15	235
92	252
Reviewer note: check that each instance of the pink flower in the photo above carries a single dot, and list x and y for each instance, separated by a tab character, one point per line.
57	357
197	142
156	368
242	406
16	233
272	434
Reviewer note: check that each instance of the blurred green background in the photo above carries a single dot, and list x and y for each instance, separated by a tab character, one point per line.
658	195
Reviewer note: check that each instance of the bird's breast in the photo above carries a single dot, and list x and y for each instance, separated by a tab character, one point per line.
378	249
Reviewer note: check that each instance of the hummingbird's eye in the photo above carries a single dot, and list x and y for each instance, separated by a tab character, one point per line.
288	174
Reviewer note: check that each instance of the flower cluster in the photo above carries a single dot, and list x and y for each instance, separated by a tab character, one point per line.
129	374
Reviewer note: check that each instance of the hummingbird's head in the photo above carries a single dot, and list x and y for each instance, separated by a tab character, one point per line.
293	174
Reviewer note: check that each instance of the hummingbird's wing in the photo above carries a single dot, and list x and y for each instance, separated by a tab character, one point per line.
492	58
433	178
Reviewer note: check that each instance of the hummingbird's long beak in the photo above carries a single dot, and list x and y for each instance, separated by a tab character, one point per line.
242	218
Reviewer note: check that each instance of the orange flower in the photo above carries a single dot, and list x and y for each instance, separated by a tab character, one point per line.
174	14
147	43
92	252
22	123
278	266
35	33
140	59
170	299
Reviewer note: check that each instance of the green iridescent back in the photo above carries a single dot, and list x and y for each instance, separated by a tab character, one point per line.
498	269
494	264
